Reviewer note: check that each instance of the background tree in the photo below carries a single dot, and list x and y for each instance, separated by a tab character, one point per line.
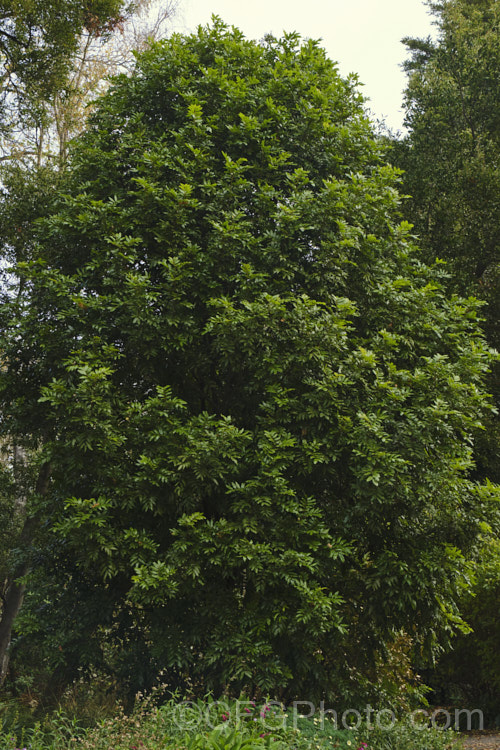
471	671
37	41
450	155
257	405
452	173
40	129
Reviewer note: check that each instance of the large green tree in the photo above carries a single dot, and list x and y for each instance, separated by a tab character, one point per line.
251	405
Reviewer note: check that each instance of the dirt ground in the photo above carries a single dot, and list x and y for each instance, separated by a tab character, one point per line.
487	740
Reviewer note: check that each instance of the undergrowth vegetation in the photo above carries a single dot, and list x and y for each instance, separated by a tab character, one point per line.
156	724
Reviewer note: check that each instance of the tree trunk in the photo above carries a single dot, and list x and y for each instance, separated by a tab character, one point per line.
16	586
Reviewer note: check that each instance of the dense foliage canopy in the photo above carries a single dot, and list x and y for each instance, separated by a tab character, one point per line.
451	156
256	404
452	173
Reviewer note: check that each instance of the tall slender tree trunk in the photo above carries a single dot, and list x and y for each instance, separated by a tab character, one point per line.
16	586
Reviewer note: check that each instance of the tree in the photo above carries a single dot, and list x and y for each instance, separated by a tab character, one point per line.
256	404
453	117
37	40
55	108
452	173
471	671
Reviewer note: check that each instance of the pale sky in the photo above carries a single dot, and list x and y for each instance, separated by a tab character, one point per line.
362	36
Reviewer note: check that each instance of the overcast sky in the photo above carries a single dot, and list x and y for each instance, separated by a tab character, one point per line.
362	36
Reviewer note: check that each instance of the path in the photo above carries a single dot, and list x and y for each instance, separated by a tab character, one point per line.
482	741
